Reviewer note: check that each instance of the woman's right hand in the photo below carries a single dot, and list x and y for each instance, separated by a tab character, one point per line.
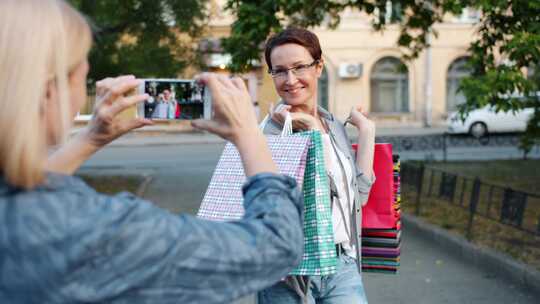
300	121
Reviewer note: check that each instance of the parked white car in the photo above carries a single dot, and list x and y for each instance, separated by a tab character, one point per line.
483	121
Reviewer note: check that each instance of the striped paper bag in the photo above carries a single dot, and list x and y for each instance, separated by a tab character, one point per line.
223	200
319	248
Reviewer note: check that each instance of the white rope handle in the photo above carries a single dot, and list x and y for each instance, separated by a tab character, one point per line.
263	123
287	125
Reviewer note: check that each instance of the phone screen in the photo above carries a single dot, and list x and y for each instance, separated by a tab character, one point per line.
174	99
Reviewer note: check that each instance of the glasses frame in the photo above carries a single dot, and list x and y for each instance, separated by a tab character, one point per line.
295	69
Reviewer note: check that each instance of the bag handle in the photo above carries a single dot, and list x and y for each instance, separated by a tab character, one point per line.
287	125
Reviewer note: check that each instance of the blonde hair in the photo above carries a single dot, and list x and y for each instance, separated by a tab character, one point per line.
42	42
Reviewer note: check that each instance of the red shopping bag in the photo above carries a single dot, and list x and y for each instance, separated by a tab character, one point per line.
379	212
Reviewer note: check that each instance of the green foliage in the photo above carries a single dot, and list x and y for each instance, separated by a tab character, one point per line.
249	33
256	19
508	41
140	36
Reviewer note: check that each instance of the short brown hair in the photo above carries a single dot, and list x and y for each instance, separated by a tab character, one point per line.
293	35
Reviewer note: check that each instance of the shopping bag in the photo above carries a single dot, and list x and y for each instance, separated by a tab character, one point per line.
381	225
223	200
379	210
381	247
319	248
300	156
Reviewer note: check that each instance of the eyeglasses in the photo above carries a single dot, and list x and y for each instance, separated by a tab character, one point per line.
298	70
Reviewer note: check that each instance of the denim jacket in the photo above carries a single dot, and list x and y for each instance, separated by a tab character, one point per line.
65	243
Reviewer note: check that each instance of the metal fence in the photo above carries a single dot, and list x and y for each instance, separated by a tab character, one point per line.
446	146
505	205
444	141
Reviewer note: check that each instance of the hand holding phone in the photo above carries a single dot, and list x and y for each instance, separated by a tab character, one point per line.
111	119
234	119
234	115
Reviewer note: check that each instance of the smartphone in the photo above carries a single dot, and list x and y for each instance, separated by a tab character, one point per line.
174	99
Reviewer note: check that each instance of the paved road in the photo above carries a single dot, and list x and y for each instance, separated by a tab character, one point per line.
428	274
181	173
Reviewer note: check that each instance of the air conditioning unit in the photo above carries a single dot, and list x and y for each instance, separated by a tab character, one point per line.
350	70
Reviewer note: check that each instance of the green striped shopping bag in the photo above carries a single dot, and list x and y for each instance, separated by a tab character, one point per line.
319	248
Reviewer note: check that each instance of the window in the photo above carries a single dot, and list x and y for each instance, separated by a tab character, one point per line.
322	90
468	15
392	13
456	72
389	86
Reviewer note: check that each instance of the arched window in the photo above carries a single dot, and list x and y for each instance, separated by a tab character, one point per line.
389	86
457	71
322	90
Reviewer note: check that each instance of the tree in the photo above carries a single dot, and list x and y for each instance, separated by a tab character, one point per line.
147	38
508	41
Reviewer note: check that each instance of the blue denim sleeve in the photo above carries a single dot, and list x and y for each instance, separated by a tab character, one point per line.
148	255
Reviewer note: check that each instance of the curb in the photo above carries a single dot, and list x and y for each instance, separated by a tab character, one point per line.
483	258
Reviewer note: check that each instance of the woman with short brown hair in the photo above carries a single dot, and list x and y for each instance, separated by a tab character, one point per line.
294	59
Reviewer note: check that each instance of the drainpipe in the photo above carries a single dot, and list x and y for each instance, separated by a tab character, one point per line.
428	83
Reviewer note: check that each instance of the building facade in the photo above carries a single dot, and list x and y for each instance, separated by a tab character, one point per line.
365	68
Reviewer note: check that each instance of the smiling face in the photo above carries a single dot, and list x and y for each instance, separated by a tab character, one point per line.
299	91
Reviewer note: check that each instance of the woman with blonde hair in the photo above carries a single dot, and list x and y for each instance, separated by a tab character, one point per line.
62	242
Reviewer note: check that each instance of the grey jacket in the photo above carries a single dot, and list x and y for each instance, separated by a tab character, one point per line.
362	184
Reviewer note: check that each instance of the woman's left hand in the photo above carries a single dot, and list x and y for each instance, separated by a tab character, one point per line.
366	141
105	125
359	119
